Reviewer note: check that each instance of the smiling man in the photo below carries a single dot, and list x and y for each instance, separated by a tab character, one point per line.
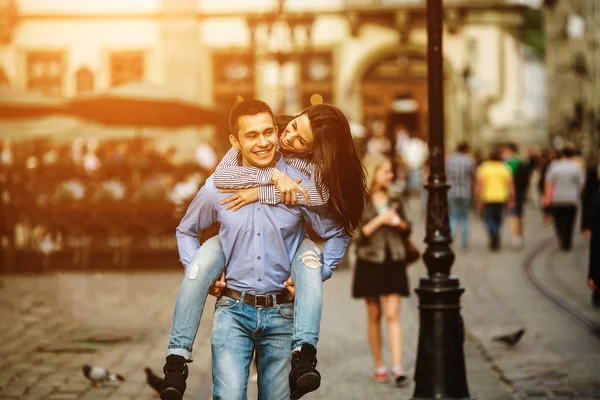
256	138
254	311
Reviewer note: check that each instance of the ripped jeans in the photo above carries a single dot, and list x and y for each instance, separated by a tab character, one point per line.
207	265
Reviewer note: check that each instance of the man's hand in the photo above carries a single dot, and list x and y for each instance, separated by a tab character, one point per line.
592	284
511	203
218	286
288	188
587	233
546	201
289	285
241	198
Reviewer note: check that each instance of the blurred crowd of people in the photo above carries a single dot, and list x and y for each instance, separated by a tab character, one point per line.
43	183
407	152
558	182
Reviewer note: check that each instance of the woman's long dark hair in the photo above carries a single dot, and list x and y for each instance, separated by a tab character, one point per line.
336	156
282	121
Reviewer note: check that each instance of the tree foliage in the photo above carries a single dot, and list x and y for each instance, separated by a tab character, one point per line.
533	32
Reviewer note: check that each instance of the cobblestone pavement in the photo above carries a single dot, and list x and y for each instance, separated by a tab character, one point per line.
556	359
52	324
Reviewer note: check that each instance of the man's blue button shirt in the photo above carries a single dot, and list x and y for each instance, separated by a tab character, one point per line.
259	241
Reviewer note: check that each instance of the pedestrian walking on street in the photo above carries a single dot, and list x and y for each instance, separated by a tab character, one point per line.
546	158
521	169
313	133
460	169
564	186
593	224
590	226
494	191
381	266
592	184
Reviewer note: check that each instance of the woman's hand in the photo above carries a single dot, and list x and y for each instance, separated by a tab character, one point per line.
241	197
218	286
288	188
391	218
592	284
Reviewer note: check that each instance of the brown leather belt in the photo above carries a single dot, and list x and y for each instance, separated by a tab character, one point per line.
267	300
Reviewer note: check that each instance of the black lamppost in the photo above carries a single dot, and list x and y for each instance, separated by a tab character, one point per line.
467	119
440	368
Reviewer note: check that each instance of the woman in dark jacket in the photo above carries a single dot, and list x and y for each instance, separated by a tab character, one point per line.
594	228
380	266
592	184
590	226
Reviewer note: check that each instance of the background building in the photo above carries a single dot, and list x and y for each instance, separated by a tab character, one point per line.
573	65
366	56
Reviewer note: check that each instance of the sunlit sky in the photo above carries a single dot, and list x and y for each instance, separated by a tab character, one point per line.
125	6
78	6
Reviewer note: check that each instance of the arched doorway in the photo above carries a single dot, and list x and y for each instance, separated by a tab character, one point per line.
394	91
392	83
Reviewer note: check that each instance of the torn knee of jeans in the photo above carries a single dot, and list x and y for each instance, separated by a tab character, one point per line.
311	259
194	269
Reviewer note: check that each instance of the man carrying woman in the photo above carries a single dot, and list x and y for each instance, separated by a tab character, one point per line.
316	146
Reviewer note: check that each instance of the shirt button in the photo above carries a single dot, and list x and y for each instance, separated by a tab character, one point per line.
258	257
258	234
259	210
259	279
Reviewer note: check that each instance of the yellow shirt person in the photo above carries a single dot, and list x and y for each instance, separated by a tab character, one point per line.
495	180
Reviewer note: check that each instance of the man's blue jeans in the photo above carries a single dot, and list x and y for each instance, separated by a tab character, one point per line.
493	215
238	330
205	268
459	210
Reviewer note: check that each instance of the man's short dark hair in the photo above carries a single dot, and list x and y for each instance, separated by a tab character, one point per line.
463	147
569	151
513	147
246	107
495	154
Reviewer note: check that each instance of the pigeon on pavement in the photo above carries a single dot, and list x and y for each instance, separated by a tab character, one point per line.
100	375
153	380
510	339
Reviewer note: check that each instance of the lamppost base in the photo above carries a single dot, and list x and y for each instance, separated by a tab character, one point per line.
440	368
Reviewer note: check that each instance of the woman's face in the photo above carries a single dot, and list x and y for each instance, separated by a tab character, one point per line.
297	136
383	176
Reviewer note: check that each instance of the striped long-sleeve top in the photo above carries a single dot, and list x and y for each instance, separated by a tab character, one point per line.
230	174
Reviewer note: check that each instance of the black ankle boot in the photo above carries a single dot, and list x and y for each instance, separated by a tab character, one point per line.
176	372
304	377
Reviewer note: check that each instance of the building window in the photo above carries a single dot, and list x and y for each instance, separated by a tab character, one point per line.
126	67
316	79
84	78
233	76
45	72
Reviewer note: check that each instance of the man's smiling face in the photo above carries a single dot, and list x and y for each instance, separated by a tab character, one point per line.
256	139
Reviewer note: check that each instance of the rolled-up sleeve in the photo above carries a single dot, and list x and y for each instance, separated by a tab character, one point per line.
200	214
334	234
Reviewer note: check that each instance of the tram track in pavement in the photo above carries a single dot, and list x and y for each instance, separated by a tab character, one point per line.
563	306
